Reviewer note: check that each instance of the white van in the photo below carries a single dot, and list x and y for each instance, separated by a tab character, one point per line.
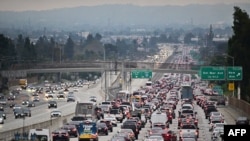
39	134
159	118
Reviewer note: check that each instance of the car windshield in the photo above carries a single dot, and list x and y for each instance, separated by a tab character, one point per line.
188	126
114	111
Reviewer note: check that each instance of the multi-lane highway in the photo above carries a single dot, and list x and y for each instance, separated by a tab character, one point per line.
42	113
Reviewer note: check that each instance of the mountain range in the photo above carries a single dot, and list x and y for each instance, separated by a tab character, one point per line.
120	16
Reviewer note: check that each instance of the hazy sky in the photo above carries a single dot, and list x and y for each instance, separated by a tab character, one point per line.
23	5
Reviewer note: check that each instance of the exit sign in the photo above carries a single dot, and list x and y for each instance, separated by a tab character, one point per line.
213	73
141	74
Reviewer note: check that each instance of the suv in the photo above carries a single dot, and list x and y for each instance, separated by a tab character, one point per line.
242	121
133	126
27	112
108	123
19	113
52	104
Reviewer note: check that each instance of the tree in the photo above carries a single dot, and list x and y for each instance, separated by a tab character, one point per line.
69	49
90	38
188	37
98	36
7	52
238	46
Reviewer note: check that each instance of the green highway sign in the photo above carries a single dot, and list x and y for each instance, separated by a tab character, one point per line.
213	73
141	74
234	73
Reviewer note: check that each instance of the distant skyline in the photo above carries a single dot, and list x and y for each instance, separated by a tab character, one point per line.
27	5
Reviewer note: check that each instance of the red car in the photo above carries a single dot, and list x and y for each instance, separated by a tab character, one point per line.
169	135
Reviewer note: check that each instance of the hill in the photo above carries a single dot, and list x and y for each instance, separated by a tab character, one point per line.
119	16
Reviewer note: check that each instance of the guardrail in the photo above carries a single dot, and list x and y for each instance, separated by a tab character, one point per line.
240	105
50	124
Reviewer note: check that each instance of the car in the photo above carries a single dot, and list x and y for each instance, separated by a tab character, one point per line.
215	115
3	101
155	138
60	95
71	98
118	138
16	106
55	113
190	127
242	121
25	102
71	128
102	128
1	108
124	135
214	121
187	134
133	126
117	113
112	119
31	104
79	118
93	98
52	104
217	132
108	124
60	134
105	108
18	113
128	131
36	98
1	119
27	112
2	114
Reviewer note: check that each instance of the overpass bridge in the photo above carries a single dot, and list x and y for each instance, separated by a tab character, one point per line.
99	66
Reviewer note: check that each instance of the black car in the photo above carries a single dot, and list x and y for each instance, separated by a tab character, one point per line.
18	113
27	112
2	114
60	95
102	128
108	124
31	104
52	104
60	135
1	108
133	126
242	121
72	130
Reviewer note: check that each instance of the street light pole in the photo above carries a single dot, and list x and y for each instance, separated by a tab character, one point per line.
233	67
105	78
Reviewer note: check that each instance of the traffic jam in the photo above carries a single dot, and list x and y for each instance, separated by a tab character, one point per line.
166	109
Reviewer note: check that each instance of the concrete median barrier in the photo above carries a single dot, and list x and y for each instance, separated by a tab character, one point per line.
50	124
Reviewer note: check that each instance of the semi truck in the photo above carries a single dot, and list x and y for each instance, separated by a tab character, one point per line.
187	92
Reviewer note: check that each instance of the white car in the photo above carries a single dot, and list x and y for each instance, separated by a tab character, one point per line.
112	119
217	132
55	113
2	120
154	138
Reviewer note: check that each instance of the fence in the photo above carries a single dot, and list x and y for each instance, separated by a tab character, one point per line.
240	105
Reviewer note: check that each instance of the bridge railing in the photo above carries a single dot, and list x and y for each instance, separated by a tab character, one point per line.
107	64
